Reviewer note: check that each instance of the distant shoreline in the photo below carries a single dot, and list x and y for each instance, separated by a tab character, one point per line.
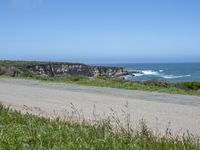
77	73
171	72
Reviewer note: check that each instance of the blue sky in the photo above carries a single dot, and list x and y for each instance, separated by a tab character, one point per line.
100	31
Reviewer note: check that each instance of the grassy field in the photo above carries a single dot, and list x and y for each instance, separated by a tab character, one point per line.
28	132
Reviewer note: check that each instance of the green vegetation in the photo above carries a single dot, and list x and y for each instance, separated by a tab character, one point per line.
26	72
189	88
189	85
27	131
9	63
18	131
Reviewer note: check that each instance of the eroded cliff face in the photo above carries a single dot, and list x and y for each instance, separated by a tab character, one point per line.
108	71
52	70
70	69
9	71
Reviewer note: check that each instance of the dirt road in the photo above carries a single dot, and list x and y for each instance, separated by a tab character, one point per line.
158	109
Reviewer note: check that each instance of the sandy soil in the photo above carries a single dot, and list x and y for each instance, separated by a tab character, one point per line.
157	109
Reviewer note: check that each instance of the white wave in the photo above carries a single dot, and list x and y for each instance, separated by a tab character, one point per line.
144	72
128	77
174	77
149	72
159	73
138	74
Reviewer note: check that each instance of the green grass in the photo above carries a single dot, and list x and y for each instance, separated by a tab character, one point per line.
188	88
157	86
19	132
185	88
9	63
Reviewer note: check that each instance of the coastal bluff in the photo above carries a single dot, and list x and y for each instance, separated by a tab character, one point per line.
52	69
76	69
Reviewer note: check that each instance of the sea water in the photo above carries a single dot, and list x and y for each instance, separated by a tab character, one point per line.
172	72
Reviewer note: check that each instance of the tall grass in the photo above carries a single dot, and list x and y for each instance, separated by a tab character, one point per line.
18	131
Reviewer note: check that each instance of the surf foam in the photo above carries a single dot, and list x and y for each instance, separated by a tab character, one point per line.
159	73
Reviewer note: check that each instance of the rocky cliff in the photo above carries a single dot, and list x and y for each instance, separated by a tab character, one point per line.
9	71
60	69
71	69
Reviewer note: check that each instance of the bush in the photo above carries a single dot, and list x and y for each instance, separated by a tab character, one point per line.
25	72
189	85
77	78
157	83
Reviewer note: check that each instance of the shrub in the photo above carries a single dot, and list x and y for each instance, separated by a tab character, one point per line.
189	85
77	78
157	83
25	72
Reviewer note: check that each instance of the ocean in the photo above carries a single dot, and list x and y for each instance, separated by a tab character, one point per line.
171	72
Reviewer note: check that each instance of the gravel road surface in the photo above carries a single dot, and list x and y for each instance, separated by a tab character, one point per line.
159	110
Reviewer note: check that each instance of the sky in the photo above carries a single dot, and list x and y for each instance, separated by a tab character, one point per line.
100	31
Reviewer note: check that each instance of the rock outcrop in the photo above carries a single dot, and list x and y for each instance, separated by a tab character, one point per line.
71	69
9	71
29	69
